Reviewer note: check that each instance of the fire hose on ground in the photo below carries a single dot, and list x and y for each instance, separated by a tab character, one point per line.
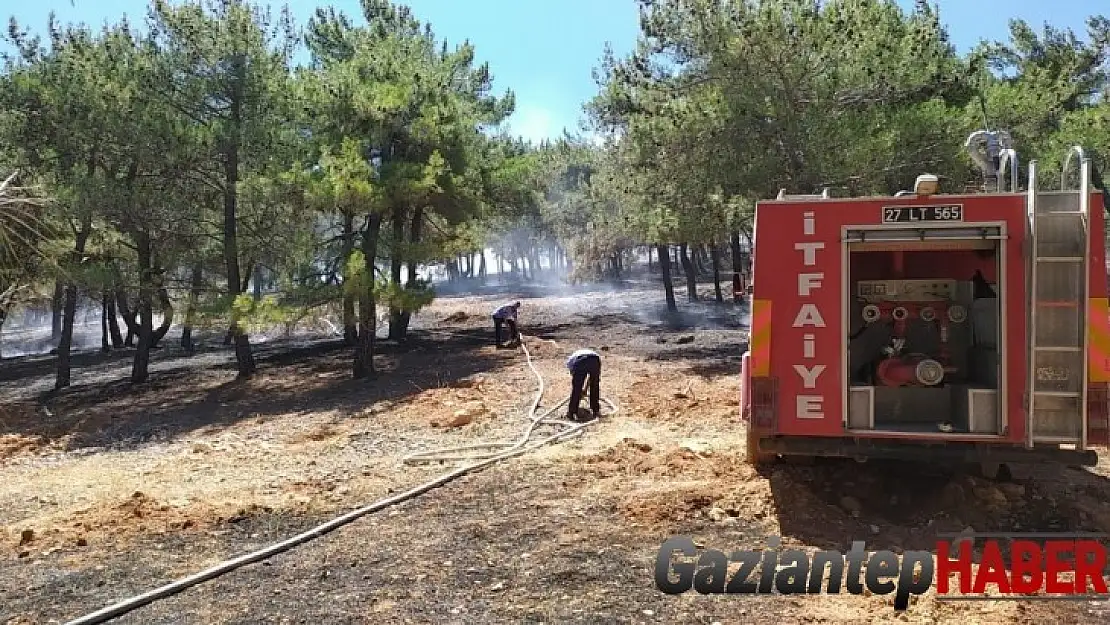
494	453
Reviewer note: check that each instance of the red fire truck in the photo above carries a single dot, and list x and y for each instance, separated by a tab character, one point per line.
951	328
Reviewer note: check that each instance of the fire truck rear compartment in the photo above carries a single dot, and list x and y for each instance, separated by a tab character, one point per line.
924	337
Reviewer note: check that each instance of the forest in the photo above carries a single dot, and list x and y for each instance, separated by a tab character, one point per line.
187	169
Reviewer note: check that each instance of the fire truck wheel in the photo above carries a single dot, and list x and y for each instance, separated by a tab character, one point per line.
753	455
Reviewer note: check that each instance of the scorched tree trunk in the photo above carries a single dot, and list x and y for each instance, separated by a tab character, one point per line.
62	378
665	269
691	277
140	368
715	258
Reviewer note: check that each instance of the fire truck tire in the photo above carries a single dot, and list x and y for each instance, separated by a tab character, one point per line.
753	455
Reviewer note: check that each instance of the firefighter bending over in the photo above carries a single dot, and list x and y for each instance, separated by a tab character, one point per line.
584	364
506	316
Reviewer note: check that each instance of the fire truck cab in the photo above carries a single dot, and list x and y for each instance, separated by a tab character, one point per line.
951	328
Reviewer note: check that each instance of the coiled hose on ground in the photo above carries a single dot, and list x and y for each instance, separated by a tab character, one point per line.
495	450
479	461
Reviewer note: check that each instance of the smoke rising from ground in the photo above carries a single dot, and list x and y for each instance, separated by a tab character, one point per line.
26	333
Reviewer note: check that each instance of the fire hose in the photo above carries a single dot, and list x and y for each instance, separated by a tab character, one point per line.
495	452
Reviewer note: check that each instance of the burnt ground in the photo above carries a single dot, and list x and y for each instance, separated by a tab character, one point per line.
107	491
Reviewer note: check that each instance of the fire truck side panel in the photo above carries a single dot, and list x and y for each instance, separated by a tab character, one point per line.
798	338
1098	329
801	295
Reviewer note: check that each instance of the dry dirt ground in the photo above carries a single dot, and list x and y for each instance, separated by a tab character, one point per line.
108	491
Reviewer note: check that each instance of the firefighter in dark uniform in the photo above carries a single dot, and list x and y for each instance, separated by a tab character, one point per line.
585	366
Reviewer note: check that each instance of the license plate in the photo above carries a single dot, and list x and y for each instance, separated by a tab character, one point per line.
1052	374
909	214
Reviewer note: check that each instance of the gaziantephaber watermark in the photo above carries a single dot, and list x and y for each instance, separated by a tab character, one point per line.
1013	566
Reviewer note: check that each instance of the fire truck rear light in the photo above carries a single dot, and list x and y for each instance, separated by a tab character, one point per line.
764	402
1098	415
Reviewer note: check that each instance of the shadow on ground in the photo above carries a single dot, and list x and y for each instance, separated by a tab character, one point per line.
318	378
38	365
900	505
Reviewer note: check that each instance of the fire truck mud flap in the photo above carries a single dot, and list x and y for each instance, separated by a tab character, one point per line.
946	452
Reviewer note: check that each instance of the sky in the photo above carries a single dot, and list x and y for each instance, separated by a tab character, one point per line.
545	50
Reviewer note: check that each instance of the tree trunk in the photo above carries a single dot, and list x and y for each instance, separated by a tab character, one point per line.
167	317
105	343
56	303
691	277
482	266
244	359
191	307
651	266
367	322
65	342
229	336
140	368
715	259
665	269
734	244
414	238
257	279
746	257
130	317
133	328
3	318
350	328
113	321
396	262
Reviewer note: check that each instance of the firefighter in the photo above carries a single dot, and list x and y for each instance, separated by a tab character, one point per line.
506	316
737	288
584	366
